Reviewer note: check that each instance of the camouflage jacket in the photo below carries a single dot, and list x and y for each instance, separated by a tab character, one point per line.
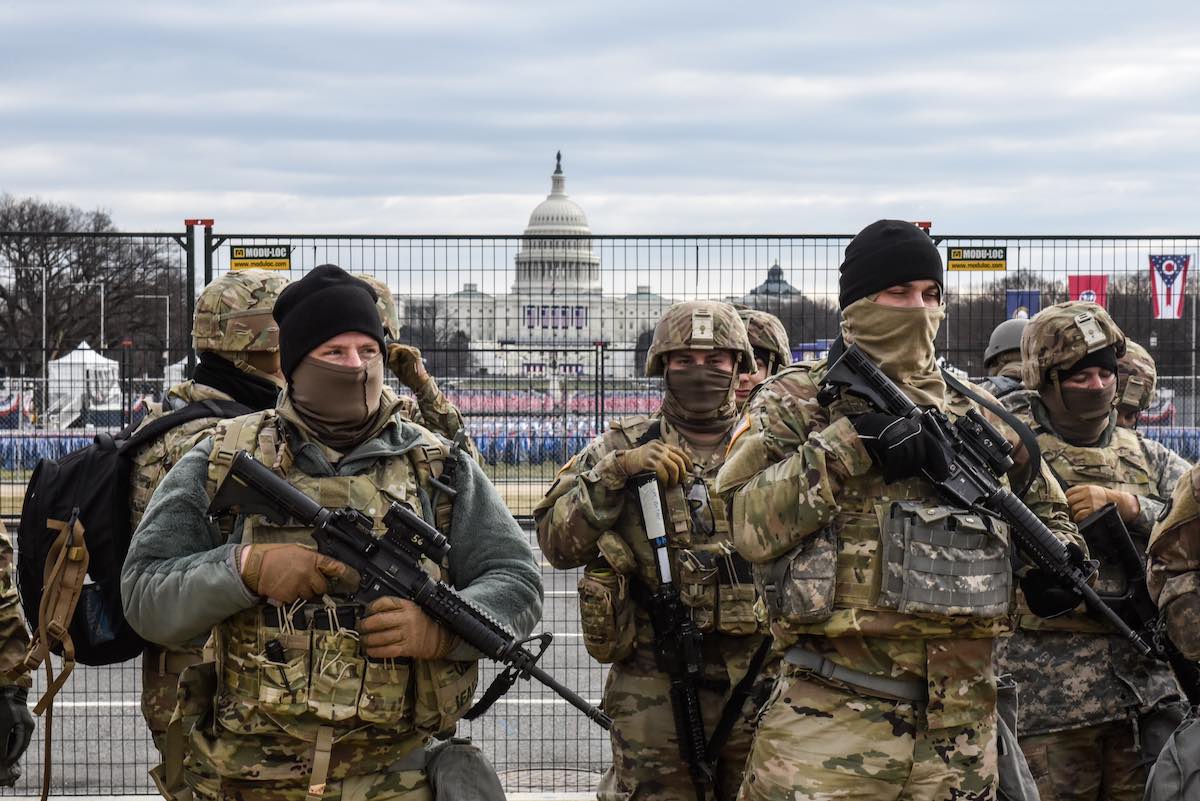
797	475
431	409
1073	670
14	637
1173	565
152	461
1164	465
588	504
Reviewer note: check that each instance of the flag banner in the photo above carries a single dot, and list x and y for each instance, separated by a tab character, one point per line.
1023	303
1089	287
1168	283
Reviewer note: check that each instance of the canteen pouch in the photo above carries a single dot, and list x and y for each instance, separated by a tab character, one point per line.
799	587
606	614
698	587
937	560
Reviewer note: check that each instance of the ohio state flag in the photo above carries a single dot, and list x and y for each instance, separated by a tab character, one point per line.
1089	287
1168	283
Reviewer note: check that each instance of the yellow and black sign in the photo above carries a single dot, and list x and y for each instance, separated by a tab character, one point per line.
977	258
260	257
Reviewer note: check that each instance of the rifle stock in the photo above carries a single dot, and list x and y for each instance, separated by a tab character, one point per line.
391	565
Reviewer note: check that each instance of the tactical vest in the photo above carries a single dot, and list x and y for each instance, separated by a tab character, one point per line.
1120	465
317	675
152	462
895	562
715	583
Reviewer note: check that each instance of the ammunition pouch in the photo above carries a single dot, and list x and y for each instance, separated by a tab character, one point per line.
937	560
717	586
606	613
799	587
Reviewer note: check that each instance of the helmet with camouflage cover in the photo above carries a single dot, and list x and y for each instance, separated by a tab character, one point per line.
233	313
767	333
1060	335
1005	337
385	301
1136	377
699	325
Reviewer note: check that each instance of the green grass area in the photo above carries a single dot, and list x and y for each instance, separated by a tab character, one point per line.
545	471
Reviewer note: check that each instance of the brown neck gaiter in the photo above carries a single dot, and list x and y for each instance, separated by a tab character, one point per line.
1080	415
900	341
700	398
338	404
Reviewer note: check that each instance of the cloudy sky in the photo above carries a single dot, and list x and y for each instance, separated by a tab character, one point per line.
793	117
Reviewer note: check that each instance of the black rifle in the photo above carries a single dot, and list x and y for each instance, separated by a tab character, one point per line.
391	566
977	455
1122	585
677	641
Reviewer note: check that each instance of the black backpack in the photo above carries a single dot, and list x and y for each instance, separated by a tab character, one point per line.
75	525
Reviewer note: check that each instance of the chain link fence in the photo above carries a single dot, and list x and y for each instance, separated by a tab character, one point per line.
540	341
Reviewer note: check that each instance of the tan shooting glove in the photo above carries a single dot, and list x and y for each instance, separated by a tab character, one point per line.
666	461
406	363
395	627
285	572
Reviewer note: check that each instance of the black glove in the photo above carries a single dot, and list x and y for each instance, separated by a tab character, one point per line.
899	445
16	727
1045	596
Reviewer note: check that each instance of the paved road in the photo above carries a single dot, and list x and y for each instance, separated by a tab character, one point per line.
536	741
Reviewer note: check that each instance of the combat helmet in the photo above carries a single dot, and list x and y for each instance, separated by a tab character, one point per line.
1005	337
1136	377
233	313
385	301
699	325
1060	335
767	333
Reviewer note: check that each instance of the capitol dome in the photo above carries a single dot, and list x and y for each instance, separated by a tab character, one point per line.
556	251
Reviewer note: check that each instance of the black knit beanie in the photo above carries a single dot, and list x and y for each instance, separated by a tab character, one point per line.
1105	358
326	302
884	254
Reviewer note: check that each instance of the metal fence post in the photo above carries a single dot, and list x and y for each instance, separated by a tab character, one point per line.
189	303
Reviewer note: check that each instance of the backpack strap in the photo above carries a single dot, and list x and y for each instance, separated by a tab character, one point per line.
193	411
65	571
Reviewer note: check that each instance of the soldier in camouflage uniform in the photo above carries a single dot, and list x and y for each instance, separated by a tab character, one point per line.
1137	377
1173	566
1002	358
590	518
311	696
16	723
1084	688
237	344
428	407
772	353
884	601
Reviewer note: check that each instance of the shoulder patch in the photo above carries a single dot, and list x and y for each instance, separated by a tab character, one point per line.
742	428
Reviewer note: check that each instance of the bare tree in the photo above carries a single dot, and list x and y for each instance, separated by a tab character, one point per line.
445	346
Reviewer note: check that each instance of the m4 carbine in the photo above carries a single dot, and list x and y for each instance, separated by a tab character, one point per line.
976	455
391	566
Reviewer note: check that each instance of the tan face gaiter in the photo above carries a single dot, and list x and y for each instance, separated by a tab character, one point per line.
1079	415
900	341
700	398
338	404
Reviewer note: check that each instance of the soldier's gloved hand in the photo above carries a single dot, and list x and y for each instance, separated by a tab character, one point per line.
666	461
1087	498
406	363
16	727
395	627
899	445
285	572
1045	596
1183	624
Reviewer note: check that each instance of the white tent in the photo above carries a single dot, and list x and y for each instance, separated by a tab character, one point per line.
83	379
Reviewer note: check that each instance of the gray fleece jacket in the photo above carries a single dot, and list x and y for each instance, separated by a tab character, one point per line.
180	577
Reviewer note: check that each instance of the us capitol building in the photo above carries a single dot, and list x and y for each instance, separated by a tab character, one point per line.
556	313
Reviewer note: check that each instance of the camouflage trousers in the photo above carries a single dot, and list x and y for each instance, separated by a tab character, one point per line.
1087	764
160	681
816	742
646	765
